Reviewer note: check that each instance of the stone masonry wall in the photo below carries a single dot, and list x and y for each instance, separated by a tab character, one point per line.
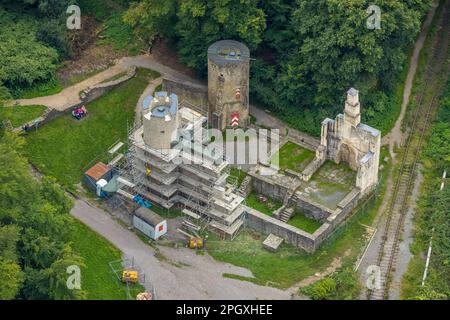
266	225
195	95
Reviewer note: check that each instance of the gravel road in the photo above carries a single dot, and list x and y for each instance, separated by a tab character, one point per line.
200	278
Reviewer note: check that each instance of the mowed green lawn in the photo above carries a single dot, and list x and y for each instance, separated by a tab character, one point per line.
65	146
288	265
97	278
299	220
292	157
19	115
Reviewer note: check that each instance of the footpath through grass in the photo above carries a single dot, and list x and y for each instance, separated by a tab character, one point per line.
97	278
65	146
19	115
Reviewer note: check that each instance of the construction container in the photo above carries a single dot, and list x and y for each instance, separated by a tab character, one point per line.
149	223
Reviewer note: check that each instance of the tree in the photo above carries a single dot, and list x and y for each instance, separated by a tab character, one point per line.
150	19
196	24
334	49
34	230
10	279
23	60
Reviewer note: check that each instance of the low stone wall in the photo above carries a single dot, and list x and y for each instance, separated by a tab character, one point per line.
90	94
311	168
309	242
196	95
311	209
303	139
345	207
86	96
269	188
266	225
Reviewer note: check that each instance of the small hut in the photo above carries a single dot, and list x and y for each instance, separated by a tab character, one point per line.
149	223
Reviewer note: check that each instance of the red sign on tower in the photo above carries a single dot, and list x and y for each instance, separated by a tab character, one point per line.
235	120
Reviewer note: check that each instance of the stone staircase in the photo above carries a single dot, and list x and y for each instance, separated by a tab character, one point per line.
245	188
286	214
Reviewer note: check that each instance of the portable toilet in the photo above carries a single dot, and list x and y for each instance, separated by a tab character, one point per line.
100	185
149	223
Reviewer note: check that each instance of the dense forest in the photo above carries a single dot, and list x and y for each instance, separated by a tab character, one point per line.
308	53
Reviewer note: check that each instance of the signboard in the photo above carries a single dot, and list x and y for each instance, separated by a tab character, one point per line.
235	120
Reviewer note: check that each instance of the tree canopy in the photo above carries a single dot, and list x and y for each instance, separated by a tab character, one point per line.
308	53
34	230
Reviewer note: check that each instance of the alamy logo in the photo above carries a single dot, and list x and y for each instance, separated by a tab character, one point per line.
74	279
374	19
236	146
74	20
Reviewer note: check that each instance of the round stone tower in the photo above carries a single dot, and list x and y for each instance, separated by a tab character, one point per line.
161	122
228	84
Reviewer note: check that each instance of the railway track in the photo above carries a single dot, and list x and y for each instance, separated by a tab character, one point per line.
398	205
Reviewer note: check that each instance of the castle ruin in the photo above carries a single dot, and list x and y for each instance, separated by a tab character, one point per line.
203	189
228	83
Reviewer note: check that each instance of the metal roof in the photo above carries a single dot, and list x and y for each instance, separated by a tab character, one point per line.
98	171
163	108
148	216
353	92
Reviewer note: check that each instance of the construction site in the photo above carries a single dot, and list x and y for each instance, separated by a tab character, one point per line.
172	163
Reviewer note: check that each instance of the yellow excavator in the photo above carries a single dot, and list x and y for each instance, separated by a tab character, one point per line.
130	276
195	243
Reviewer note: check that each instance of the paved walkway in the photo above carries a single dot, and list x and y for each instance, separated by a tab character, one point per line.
200	279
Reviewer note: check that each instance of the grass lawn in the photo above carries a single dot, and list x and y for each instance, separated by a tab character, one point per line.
288	265
299	220
267	208
97	279
19	115
64	147
293	157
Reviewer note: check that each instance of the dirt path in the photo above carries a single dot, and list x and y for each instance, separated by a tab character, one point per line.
395	137
70	95
200	277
